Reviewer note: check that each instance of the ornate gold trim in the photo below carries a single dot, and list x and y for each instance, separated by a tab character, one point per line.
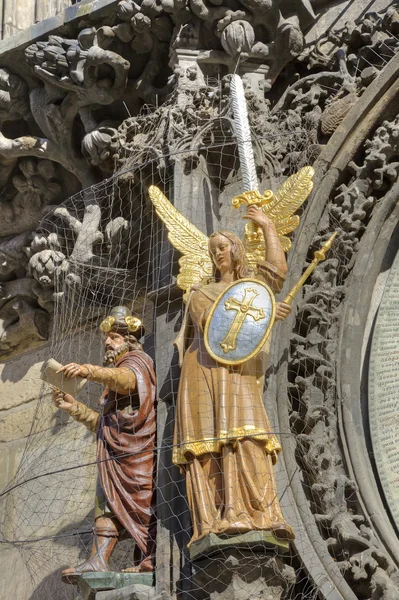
225	361
133	323
232	436
252	197
107	324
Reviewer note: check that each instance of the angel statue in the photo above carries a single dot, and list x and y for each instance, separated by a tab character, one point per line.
223	438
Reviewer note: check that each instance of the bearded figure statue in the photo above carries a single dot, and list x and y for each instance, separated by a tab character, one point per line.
125	428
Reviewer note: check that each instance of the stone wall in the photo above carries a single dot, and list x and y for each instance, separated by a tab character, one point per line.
17	16
31	424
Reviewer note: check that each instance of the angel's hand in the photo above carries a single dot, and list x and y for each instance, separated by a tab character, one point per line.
282	311
257	216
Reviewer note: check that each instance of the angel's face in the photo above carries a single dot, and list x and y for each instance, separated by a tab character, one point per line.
220	249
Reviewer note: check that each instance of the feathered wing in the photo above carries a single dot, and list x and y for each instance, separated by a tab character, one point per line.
286	201
280	209
195	264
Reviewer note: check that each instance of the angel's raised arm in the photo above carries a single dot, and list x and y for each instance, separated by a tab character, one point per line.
273	249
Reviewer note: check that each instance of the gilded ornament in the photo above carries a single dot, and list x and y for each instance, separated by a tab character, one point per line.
133	324
107	324
279	207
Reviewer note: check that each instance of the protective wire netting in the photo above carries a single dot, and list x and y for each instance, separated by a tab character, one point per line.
112	250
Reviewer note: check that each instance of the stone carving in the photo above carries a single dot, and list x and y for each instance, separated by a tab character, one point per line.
318	102
44	265
72	77
364	562
52	259
74	68
34	187
12	256
14	101
243	577
96	144
368	43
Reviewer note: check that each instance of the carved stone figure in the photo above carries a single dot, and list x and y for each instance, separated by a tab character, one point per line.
125	444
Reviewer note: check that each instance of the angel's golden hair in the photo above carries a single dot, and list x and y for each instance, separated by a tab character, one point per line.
238	255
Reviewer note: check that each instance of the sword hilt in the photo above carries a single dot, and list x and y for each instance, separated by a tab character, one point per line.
252	198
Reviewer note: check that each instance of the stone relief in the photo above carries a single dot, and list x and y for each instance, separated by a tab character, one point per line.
342	65
360	556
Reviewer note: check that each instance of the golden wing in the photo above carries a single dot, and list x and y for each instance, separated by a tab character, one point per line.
286	201
279	208
195	264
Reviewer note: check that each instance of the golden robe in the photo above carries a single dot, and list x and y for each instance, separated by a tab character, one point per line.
223	438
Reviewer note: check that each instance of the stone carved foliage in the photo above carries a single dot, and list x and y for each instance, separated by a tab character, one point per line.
75	78
63	118
369	43
312	386
342	65
33	188
27	197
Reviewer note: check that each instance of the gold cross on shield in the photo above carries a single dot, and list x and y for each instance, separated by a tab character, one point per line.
244	309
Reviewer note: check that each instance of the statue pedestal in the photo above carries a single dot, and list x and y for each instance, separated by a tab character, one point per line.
241	574
253	541
90	584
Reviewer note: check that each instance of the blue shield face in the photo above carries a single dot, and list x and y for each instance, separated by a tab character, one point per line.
240	322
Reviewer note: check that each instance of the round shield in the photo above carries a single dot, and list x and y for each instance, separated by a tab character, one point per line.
240	322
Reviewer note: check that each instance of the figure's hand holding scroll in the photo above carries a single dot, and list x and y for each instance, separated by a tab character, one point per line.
64	401
72	370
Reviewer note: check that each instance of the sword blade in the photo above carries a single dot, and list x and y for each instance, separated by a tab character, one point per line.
243	134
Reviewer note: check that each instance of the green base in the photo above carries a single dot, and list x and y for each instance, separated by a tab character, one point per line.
91	583
260	541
